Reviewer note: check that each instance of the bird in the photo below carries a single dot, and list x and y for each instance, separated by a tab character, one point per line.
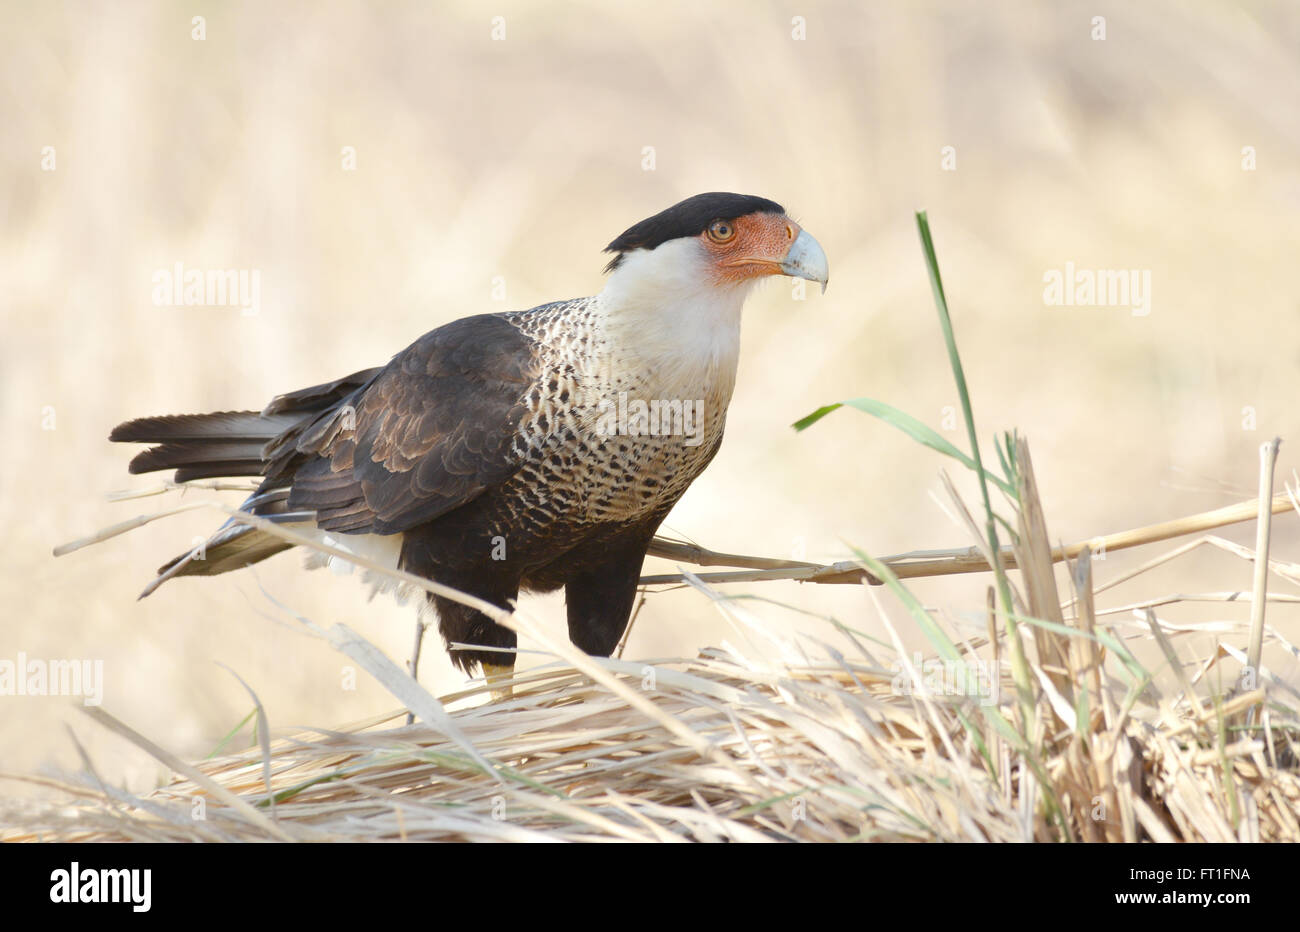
514	451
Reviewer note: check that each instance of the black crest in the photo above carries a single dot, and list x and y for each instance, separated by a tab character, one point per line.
690	217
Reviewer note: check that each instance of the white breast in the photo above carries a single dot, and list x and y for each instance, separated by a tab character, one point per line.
667	321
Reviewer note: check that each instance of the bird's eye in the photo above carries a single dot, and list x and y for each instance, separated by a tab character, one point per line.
721	231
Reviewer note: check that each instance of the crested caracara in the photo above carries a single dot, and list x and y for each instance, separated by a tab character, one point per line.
523	450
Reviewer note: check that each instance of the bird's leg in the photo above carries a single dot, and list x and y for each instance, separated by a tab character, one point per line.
495	673
414	663
599	601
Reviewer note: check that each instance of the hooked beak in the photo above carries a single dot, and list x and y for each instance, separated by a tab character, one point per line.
806	259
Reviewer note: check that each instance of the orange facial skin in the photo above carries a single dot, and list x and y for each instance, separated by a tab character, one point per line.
749	247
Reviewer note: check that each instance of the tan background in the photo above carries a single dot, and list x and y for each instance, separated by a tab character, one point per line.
522	158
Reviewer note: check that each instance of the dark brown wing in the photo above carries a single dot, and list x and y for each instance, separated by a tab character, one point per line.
429	433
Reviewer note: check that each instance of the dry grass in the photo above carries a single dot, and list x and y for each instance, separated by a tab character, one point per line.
833	740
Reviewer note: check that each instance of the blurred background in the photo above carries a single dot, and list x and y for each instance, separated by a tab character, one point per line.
389	168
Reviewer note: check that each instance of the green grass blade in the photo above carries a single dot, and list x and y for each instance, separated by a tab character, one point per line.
230	735
917	430
808	421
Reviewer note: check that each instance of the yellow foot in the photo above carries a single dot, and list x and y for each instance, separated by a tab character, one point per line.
495	674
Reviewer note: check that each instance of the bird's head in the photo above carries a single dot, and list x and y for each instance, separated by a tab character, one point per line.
717	240
679	279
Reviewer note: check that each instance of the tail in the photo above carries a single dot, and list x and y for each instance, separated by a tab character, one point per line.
204	446
235	444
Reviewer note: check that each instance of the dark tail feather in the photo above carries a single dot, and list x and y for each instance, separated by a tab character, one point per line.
234	443
235	545
238	443
220	425
215	457
203	446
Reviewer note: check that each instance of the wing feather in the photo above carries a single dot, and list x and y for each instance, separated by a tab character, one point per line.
430	432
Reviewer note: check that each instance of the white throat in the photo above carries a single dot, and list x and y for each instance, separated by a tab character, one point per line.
663	306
